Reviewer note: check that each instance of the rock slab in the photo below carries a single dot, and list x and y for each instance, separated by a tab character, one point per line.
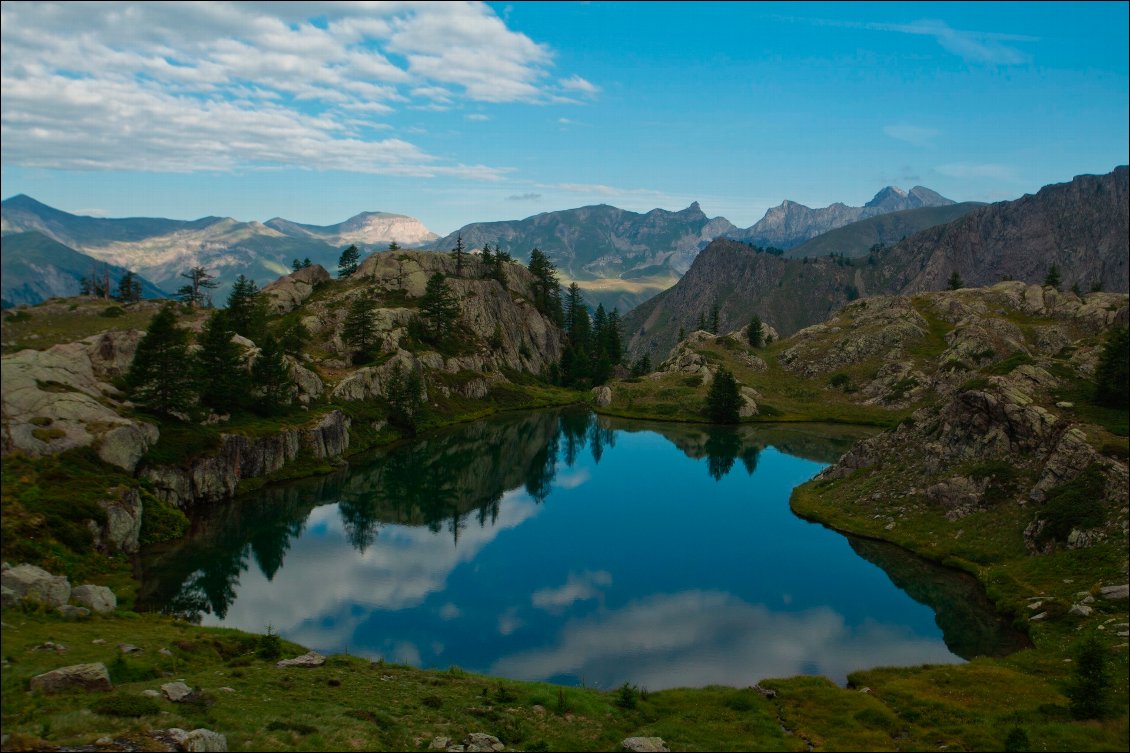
75	677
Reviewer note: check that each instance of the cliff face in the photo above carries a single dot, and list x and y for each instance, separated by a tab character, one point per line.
1082	227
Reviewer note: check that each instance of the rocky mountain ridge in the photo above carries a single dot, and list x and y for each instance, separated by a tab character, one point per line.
1081	227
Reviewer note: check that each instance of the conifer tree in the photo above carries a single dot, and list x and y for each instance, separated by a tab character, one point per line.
295	265
546	288
348	261
1112	379
459	255
723	401
359	331
754	332
955	282
195	292
129	288
306	263
271	378
247	309
158	378
439	310
1090	681
293	338
393	247
713	322
1053	278
404	394
221	378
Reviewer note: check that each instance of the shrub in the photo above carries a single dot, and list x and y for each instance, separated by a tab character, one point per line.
1112	387
112	312
1017	741
1075	504
627	696
1089	681
126	706
269	645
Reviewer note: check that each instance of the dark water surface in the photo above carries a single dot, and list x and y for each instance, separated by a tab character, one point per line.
571	548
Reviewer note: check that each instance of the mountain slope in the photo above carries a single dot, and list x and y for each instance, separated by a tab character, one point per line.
791	224
35	268
1081	226
858	238
162	249
367	230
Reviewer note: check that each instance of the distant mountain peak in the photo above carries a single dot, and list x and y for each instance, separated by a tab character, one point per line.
886	195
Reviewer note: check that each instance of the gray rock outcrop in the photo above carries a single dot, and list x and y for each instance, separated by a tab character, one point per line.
36	584
75	677
290	291
96	598
644	745
309	659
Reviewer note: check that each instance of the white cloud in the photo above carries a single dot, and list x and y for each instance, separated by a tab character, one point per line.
989	170
602	190
581	587
177	87
911	134
477	116
578	84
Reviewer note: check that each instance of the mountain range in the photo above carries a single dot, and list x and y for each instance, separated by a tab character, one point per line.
1081	227
161	249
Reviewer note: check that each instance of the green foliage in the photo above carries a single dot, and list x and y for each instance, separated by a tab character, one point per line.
195	293
112	312
840	380
161	522
627	696
723	401
641	365
125	705
269	645
1053	278
123	671
221	379
157	378
360	331
404	394
1076	504
955	282
129	288
247	309
546	288
439	311
293	337
271	380
348	261
1002	477
296	727
1112	382
754	333
1017	359
459	254
1090	680
1017	741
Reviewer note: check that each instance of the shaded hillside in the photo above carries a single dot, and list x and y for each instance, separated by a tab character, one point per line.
163	249
1081	227
858	238
791	224
34	268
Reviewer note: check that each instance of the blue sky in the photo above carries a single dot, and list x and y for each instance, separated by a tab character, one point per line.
461	112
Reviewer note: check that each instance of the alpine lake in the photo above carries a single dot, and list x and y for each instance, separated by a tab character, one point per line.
575	549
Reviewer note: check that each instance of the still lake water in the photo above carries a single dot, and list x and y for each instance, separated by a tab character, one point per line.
575	549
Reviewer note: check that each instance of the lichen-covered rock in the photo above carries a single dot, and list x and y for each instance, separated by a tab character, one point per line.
602	396
309	659
176	691
36	584
75	677
644	745
287	293
122	529
481	742
99	599
959	496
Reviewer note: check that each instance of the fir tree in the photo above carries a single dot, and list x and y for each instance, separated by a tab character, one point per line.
306	263
713	322
271	378
293	338
1090	681
404	394
955	282
220	376
393	247
642	365
247	309
755	333
1053	278
439	310
295	265
129	288
723	401
1112	382
546	288
459	255
157	377
359	331
348	261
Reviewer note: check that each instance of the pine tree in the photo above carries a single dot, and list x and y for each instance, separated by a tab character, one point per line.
439	311
404	394
157	377
295	265
247	309
306	263
723	401
713	323
955	282
1053	279
129	288
220	376
612	340
487	257
393	247
459	255
200	281
755	333
271	378
293	338
1090	681
546	288
1112	382
348	261
359	331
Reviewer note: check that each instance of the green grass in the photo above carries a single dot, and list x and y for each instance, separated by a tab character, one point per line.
42	326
